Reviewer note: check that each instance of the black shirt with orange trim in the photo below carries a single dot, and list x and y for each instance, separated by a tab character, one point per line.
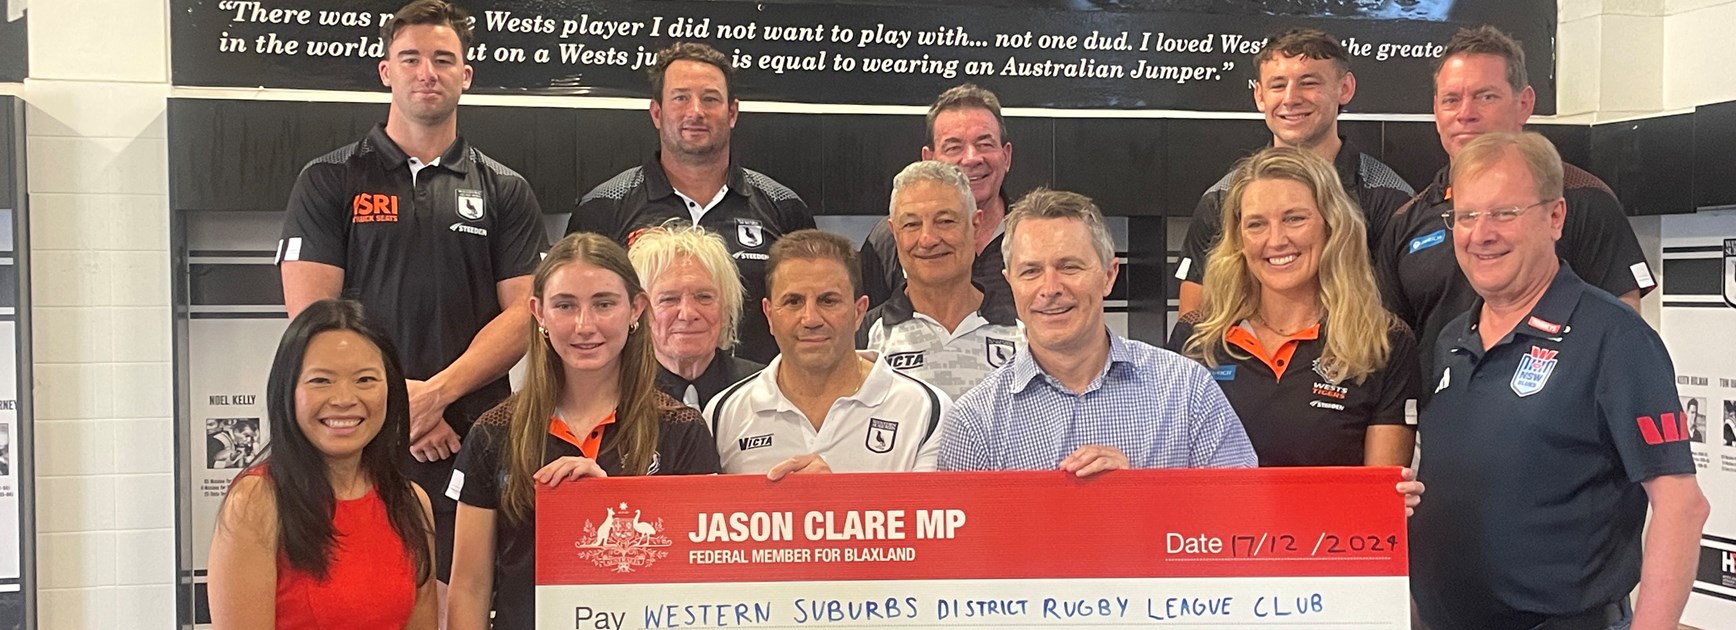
1293	414
1534	452
1420	277
684	447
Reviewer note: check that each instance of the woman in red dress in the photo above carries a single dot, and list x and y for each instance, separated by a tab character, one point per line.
325	531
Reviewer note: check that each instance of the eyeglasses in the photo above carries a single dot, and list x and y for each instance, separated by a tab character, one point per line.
1455	218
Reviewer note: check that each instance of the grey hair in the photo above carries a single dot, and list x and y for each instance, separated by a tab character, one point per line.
933	171
1044	203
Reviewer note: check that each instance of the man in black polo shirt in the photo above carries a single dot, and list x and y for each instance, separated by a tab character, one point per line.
1481	87
1555	421
965	129
1304	79
693	177
434	238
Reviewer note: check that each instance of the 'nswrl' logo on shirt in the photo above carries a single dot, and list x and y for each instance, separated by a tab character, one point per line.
1533	372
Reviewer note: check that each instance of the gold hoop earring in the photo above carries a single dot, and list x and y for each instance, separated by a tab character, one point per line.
544	331
633	327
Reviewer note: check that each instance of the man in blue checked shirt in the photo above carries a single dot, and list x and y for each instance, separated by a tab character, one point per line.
1083	398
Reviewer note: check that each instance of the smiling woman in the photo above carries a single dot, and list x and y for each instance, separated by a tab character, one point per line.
1291	324
340	420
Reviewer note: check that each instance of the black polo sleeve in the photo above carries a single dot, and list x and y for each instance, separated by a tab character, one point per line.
476	475
316	223
879	261
1636	394
686	444
1398	380
598	214
517	246
1202	234
1599	243
1178	336
795	214
1388	250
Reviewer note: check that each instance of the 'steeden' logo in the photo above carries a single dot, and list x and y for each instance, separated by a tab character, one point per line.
623	543
468	229
470	204
372	208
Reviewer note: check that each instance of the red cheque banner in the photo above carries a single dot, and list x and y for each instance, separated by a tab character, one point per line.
1224	548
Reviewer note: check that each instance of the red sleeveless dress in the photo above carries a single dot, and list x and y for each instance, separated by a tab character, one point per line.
371	582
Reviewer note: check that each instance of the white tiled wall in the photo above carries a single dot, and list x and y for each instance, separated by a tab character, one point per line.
99	231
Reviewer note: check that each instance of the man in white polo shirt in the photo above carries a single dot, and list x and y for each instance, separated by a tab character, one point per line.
819	406
940	326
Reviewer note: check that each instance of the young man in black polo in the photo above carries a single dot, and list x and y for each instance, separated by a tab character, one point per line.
1304	79
434	238
1481	87
693	177
1555	423
965	129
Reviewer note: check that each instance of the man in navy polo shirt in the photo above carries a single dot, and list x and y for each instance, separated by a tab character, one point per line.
1555	421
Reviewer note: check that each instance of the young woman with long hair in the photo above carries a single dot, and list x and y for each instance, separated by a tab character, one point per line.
1292	325
589	407
325	530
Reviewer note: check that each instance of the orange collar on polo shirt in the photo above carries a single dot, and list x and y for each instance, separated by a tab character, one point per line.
590	444
1277	361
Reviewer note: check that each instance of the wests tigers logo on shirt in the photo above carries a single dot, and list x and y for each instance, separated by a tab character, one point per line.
374	208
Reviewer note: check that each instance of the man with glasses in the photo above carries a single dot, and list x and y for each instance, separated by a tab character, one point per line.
1546	372
1481	87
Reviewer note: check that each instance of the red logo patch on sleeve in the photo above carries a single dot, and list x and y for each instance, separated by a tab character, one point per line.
1669	427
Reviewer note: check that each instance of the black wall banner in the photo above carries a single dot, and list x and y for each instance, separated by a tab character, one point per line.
14	49
1101	54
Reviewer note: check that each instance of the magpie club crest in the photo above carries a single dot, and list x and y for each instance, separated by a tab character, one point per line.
882	434
750	233
1000	351
1533	372
470	204
625	542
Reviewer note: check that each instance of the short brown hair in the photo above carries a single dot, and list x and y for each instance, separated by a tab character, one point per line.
1305	42
1044	203
1488	40
435	12
690	51
812	244
1538	154
966	96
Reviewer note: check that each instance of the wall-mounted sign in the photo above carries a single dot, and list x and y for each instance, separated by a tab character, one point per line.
1150	54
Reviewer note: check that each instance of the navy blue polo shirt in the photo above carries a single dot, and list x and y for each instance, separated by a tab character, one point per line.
1533	452
1294	415
1420	277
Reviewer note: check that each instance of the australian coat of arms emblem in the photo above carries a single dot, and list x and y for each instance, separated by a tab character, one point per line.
624	542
